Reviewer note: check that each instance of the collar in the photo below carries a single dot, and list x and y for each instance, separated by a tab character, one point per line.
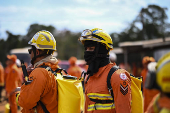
101	69
49	58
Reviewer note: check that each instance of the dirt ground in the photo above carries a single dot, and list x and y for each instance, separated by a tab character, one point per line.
4	102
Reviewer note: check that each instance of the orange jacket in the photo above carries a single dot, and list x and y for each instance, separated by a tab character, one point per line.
43	87
96	88
6	73
1	75
158	103
12	78
74	71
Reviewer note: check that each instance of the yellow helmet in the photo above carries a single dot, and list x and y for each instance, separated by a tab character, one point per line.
98	35
163	73
43	40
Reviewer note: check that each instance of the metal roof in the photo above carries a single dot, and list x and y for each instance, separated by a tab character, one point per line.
146	43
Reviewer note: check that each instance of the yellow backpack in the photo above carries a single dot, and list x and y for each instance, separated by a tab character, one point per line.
70	93
137	98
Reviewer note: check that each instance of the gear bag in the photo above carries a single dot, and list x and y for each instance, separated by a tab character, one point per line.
137	98
70	92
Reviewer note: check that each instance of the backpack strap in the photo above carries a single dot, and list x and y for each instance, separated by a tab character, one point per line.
112	70
43	107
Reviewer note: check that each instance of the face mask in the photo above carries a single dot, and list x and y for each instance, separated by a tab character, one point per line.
88	55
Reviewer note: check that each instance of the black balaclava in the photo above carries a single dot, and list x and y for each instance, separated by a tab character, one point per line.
97	58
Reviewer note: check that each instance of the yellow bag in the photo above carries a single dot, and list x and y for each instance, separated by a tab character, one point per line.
137	98
70	94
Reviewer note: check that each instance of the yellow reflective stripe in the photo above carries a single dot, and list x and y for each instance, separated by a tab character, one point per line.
99	96
98	106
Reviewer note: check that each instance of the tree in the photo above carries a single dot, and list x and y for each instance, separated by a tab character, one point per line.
153	20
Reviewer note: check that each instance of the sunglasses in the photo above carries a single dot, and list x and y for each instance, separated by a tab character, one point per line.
29	51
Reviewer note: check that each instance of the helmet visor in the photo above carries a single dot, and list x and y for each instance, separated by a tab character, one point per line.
88	34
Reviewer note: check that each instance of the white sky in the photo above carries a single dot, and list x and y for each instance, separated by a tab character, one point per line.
75	15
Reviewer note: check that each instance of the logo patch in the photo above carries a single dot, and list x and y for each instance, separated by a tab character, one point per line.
123	76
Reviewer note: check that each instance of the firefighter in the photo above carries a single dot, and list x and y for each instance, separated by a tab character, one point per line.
160	80
97	44
148	94
73	69
11	84
39	93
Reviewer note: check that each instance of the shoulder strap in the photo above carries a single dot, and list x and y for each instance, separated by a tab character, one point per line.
54	72
112	70
43	107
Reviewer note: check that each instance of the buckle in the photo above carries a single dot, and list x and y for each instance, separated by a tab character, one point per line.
110	89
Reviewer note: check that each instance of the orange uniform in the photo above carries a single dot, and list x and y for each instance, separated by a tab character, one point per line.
43	87
12	79
74	70
147	93
96	88
6	73
158	104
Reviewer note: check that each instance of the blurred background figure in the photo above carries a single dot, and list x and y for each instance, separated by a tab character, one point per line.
112	56
159	79
147	94
1	80
21	76
73	69
11	83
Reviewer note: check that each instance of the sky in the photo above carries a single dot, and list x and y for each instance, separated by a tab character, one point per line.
75	15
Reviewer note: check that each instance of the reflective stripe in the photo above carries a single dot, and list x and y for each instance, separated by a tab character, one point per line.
98	106
45	46
100	96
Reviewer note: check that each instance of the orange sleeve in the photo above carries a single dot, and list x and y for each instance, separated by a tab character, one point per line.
121	85
30	94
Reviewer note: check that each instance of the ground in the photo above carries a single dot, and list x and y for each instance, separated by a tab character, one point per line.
3	103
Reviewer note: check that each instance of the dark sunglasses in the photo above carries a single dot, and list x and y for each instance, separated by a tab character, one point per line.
29	51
